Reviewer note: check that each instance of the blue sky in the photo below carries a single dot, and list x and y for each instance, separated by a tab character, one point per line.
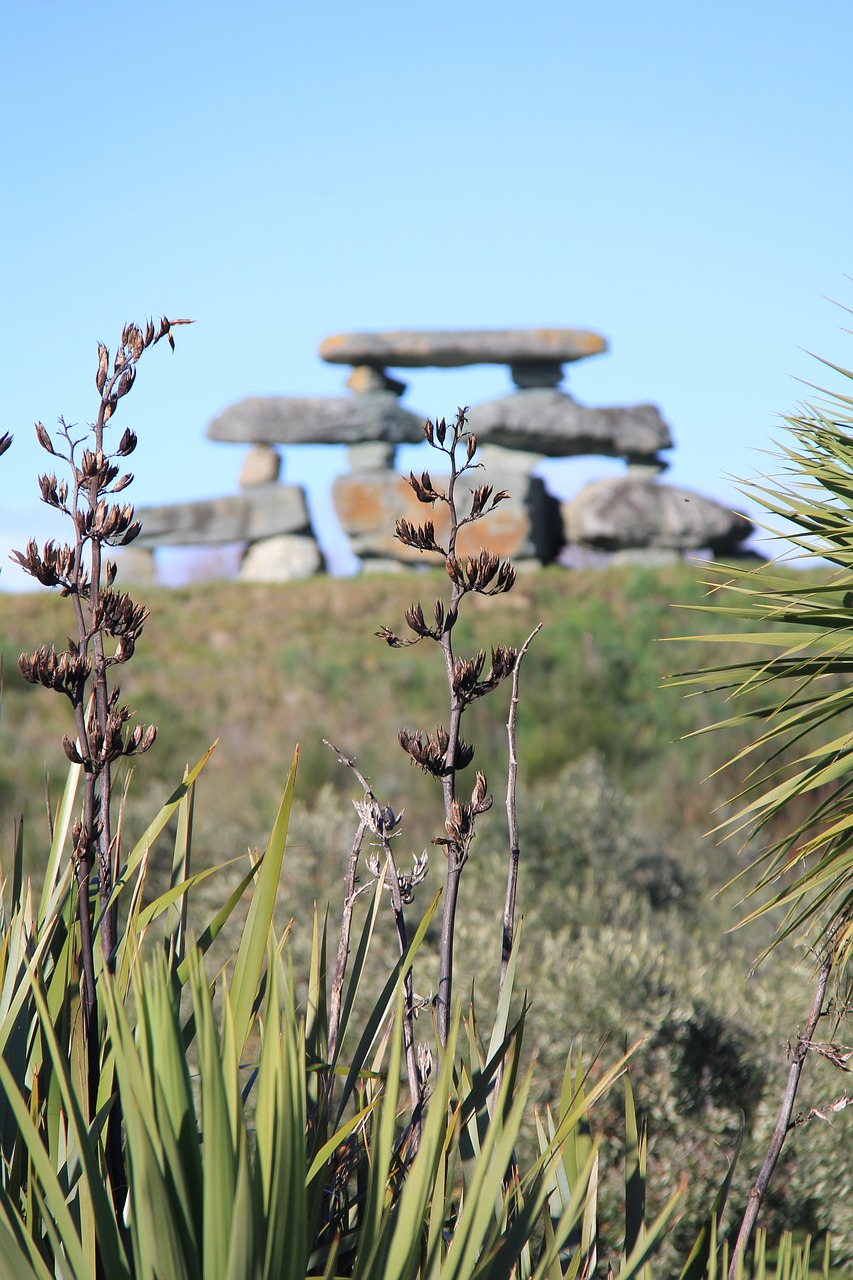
675	176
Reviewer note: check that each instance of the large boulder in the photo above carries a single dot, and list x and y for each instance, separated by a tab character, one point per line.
282	558
375	415
524	526
544	420
636	511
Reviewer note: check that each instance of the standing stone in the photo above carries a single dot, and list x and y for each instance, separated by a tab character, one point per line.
526	526
375	455
261	465
136	567
282	558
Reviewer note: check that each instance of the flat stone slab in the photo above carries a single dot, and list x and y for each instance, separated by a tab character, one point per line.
544	420
634	511
450	349
244	517
376	415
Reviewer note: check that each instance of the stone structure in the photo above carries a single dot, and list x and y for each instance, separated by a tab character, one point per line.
537	421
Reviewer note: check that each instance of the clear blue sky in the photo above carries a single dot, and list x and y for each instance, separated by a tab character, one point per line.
675	176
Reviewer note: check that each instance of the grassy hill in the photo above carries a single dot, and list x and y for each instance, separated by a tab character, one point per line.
262	668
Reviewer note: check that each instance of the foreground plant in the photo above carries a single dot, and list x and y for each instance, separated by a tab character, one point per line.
444	754
107	622
801	751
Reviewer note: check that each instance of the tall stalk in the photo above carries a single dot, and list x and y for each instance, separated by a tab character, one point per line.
445	753
108	624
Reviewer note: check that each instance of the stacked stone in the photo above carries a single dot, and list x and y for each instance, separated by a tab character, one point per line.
515	433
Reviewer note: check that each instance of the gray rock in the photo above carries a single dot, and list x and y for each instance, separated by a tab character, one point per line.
261	465
525	526
375	415
375	455
282	558
536	373
447	349
365	378
257	513
495	459
136	566
635	511
548	421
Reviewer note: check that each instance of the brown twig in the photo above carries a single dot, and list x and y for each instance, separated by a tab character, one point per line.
336	992
783	1125
382	822
512	815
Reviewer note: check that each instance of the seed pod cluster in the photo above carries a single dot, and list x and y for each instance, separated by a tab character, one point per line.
53	567
480	504
65	672
424	489
421	537
380	819
54	492
429	751
485	573
5	441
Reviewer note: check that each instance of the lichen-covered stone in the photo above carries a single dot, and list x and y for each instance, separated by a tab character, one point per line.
244	517
375	415
368	504
635	511
544	420
449	348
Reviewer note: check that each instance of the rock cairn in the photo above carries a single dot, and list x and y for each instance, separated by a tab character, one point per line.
631	513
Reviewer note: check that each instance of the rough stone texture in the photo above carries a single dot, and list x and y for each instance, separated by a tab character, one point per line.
495	459
376	415
369	504
448	349
365	378
281	559
257	513
634	511
261	465
536	373
547	421
136	566
373	456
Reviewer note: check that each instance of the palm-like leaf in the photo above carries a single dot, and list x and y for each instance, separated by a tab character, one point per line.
794	682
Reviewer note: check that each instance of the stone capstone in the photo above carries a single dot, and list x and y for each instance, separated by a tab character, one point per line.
283	558
544	420
449	349
525	526
261	465
256	513
375	415
635	511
